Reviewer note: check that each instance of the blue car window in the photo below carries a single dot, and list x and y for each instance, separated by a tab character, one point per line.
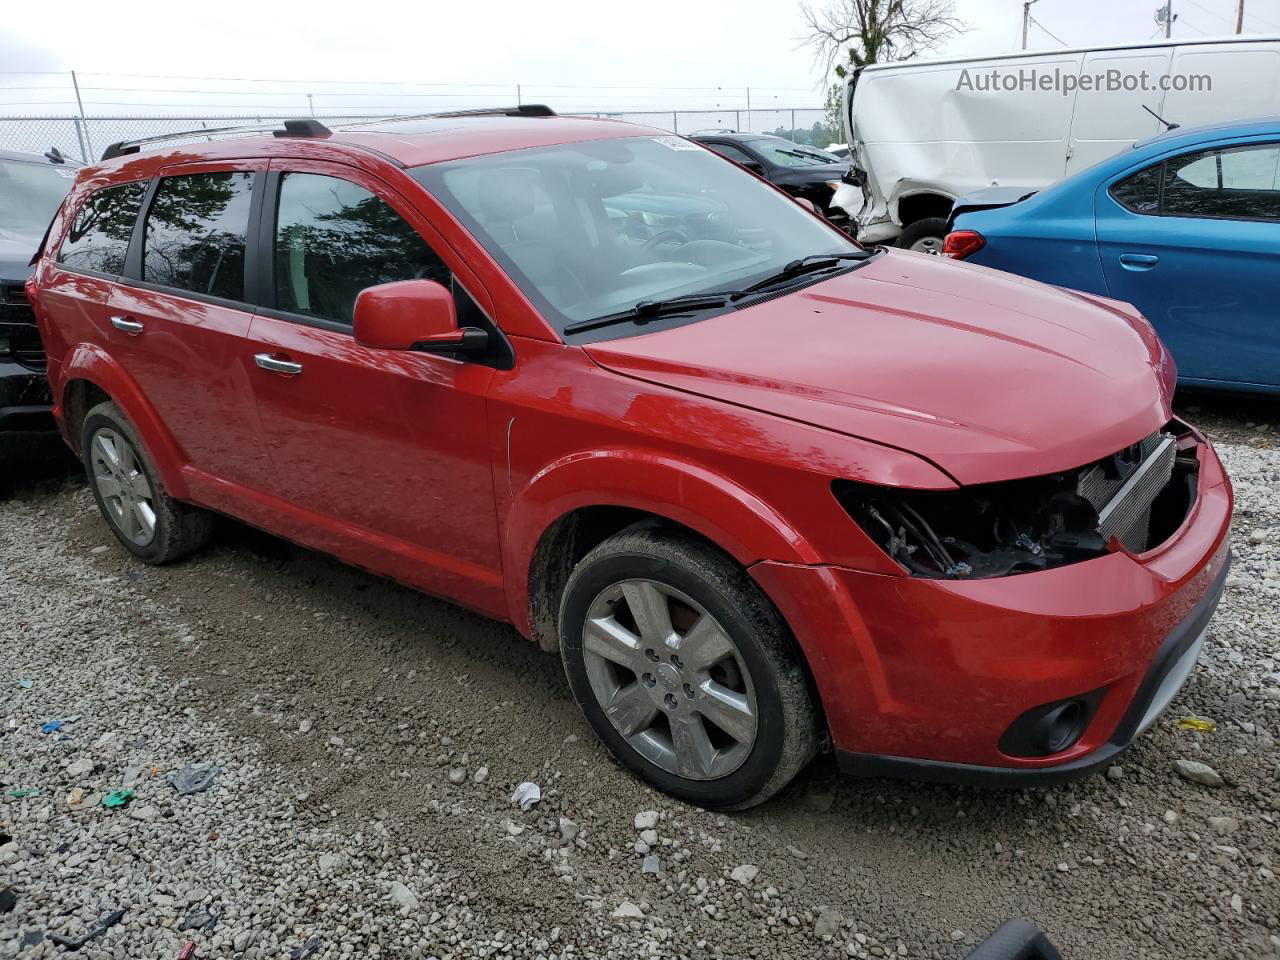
1236	183
1140	192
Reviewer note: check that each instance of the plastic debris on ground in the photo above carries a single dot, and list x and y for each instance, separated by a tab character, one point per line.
117	798
526	795
53	726
23	792
1198	724
26	684
200	920
103	925
8	900
192	779
307	949
188	950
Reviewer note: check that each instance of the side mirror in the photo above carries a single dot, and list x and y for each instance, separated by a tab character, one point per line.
413	315
755	166
807	204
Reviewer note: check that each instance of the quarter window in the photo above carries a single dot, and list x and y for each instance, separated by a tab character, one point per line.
195	233
334	239
99	235
1141	191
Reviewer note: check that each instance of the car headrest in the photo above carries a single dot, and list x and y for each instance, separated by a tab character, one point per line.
507	195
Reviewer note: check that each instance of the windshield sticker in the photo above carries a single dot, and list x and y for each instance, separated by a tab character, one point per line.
676	143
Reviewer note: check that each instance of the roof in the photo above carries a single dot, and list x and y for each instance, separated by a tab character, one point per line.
1066	51
37	158
408	143
1227	128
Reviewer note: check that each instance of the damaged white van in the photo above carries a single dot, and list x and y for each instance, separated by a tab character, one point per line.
923	133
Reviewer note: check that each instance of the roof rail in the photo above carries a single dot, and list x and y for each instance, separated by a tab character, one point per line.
306	127
522	110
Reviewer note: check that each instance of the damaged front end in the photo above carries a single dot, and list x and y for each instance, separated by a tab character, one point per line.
1134	499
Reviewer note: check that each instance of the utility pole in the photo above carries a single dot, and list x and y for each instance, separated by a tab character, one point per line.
1026	20
88	144
1166	16
1239	16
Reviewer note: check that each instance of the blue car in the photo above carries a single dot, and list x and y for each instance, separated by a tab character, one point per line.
1185	226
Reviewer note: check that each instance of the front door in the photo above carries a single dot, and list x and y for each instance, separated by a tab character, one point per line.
1193	242
384	454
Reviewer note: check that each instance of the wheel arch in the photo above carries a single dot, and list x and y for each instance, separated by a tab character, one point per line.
920	205
91	376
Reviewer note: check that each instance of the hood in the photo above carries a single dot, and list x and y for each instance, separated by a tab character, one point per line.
988	376
828	171
16	250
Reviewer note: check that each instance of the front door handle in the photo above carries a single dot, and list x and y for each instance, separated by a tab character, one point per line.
268	362
127	324
1138	261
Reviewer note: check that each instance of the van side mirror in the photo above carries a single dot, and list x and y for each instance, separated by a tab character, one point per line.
414	315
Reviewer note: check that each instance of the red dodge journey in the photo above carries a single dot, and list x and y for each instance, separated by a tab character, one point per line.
765	491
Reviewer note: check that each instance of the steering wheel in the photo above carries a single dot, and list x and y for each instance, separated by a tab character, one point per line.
661	237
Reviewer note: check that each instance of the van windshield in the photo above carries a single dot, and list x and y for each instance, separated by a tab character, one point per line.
593	228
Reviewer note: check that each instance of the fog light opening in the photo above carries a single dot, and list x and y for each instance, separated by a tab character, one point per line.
1051	727
1062	726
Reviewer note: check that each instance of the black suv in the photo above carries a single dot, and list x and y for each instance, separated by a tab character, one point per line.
31	189
800	170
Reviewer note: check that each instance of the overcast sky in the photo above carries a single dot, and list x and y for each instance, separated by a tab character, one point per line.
608	55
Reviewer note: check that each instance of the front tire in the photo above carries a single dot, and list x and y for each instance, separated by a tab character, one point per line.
152	525
685	670
924	236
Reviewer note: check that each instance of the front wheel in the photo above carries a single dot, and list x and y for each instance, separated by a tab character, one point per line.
924	236
685	670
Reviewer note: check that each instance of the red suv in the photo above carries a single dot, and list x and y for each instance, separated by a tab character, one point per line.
765	491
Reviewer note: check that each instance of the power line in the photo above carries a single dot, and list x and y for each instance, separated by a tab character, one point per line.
1048	31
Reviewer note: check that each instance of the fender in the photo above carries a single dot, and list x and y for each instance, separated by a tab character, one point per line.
703	500
92	363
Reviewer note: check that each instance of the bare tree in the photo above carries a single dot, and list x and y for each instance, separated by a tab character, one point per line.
876	31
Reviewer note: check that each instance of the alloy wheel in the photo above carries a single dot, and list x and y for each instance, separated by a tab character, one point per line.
670	679
123	487
931	245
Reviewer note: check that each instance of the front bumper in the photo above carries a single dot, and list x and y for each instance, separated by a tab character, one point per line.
922	678
25	403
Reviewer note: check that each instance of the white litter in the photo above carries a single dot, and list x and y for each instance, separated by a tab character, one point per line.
526	795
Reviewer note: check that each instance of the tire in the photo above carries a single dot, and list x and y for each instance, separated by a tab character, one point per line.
128	489
924	236
658	700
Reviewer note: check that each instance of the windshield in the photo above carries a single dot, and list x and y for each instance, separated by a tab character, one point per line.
590	229
784	153
30	194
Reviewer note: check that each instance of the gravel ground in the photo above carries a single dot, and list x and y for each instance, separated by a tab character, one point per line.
368	739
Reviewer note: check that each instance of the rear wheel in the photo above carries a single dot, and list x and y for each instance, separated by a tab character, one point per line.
151	524
924	236
685	670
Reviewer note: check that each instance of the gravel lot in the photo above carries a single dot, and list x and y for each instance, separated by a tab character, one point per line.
368	740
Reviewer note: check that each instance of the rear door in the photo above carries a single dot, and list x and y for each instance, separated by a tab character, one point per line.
1193	241
1109	116
384	452
179	317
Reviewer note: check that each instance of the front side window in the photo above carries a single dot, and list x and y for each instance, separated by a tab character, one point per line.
334	239
195	233
590	229
30	194
733	153
1238	183
98	238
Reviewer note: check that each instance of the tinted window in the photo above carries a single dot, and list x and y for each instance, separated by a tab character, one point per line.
732	152
99	234
1241	183
1140	192
195	234
333	239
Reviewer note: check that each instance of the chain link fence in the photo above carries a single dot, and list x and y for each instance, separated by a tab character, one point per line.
84	139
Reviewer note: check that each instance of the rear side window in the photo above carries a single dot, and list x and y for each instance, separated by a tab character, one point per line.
1141	191
99	235
334	239
195	233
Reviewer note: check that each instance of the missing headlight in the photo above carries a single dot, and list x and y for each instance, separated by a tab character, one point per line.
1138	495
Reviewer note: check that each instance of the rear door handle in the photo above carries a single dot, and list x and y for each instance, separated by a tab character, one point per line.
1138	261
127	324
267	362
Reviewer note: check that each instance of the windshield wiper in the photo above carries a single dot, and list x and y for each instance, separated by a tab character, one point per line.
646	310
810	264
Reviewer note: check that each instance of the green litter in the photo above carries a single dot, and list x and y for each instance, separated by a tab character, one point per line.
117	798
23	792
1197	724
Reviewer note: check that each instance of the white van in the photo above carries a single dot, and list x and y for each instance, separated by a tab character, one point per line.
923	133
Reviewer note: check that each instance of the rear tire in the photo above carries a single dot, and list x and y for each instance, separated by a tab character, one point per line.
152	525
702	692
924	236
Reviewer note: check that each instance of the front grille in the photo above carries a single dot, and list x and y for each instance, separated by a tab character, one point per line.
18	325
13	293
1130	482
